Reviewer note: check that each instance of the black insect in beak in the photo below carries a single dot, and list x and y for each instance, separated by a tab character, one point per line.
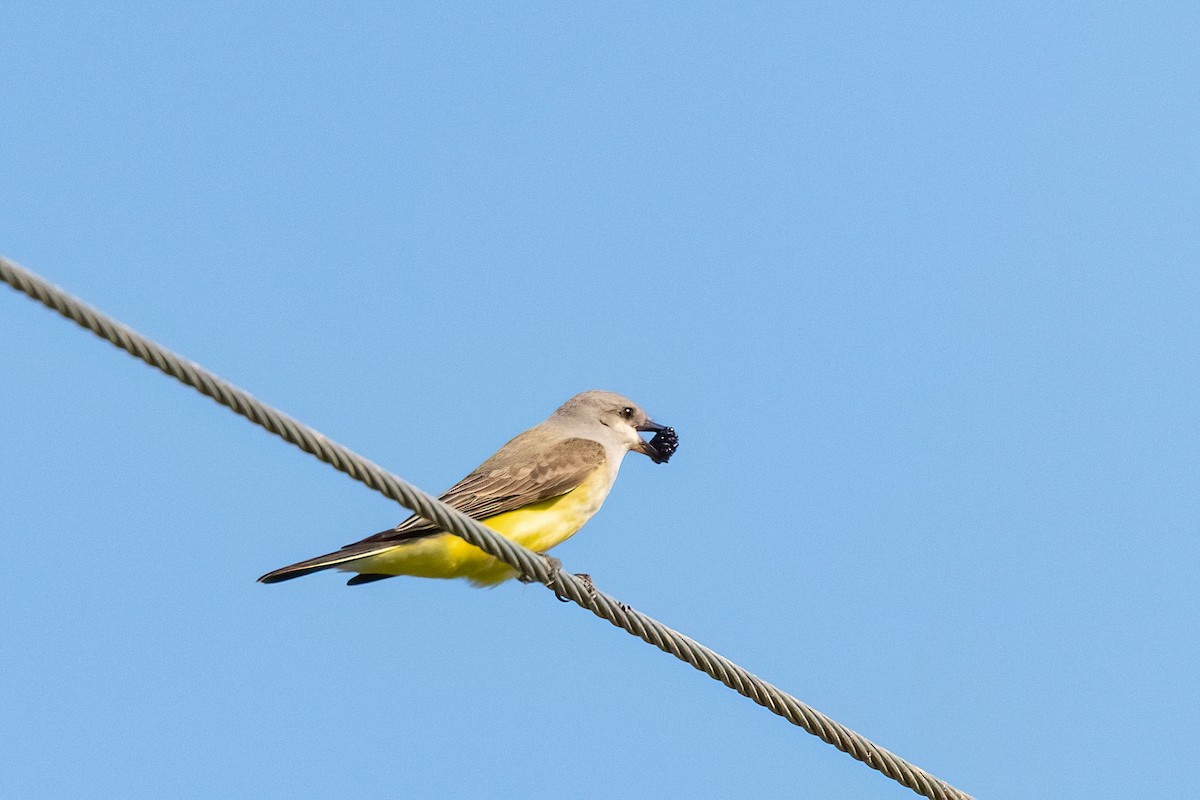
663	445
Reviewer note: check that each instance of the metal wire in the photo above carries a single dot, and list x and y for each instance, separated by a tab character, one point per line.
525	561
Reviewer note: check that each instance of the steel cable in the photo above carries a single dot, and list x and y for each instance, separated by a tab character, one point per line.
525	561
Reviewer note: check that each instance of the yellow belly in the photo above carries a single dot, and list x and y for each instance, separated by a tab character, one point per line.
539	527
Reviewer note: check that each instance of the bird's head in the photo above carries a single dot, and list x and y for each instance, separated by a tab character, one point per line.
625	418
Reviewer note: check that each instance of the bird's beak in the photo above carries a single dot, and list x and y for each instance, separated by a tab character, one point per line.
662	446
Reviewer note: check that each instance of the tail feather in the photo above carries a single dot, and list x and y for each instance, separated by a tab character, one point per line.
367	577
311	565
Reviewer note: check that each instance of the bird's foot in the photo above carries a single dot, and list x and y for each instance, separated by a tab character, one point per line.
552	564
555	567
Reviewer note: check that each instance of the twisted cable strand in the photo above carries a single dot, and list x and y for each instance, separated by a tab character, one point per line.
525	561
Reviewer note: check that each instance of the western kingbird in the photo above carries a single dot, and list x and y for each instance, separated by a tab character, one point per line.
538	490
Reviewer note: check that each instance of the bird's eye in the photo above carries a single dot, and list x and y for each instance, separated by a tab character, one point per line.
627	412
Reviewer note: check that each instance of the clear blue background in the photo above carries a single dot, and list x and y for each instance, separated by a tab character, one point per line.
918	287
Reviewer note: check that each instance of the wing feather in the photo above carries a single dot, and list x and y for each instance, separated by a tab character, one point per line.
507	481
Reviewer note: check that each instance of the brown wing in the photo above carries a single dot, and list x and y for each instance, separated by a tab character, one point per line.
508	481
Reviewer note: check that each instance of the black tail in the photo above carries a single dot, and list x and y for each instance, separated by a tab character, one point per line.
327	561
366	577
287	573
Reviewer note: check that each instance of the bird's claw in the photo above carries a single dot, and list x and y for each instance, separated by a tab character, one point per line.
555	569
553	565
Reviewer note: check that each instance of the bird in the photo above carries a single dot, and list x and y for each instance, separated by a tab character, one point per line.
537	490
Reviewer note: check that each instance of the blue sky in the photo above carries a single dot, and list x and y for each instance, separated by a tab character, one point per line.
917	286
